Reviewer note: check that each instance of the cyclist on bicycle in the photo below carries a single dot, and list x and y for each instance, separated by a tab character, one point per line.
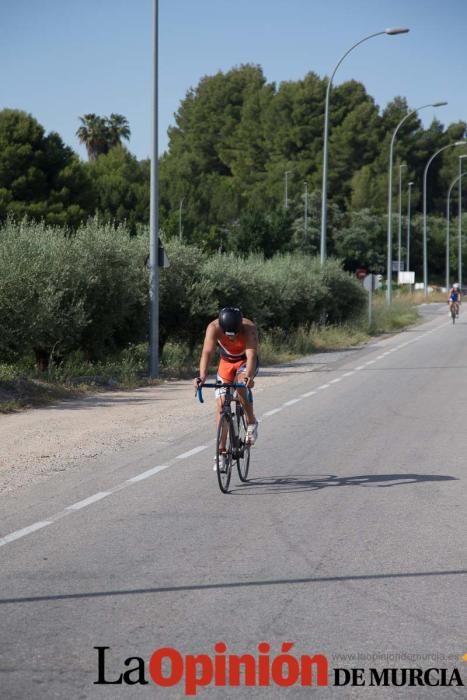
237	340
454	297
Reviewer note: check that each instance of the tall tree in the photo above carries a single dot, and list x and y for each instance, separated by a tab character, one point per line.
121	185
118	129
100	134
93	133
40	177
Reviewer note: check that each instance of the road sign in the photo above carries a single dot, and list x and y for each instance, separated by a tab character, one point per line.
162	259
406	278
371	282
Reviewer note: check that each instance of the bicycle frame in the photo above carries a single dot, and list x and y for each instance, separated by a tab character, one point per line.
232	427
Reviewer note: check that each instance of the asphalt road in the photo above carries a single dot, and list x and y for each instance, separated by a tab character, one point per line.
350	538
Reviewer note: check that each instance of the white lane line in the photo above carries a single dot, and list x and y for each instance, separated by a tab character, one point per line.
192	452
17	534
271	413
147	474
291	402
24	531
87	501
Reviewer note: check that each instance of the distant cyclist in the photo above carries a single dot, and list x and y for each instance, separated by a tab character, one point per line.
237	340
454	298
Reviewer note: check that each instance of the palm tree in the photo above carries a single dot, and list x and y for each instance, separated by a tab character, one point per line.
93	132
118	129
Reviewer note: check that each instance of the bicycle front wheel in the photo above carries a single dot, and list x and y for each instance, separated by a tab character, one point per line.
225	436
243	447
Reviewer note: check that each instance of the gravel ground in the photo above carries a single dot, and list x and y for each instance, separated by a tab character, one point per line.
37	443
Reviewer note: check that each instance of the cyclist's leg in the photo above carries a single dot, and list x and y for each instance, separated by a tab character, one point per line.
226	374
242	394
252	428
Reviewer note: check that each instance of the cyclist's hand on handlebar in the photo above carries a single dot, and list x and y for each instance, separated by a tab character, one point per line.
198	381
248	381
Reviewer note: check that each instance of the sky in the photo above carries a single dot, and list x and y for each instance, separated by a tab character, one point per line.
60	59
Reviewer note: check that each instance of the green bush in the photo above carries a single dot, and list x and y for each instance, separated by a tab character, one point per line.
61	292
64	292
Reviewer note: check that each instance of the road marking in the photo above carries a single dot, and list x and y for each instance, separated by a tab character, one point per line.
192	452
24	531
87	501
271	413
68	510
147	474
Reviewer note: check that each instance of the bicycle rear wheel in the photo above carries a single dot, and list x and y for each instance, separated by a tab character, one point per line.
224	459
243	448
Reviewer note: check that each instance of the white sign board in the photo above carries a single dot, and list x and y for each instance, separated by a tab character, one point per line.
406	278
371	282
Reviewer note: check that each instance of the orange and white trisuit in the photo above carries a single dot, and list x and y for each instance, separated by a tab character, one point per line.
232	360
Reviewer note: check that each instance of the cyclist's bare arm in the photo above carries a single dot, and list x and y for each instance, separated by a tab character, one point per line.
209	348
251	350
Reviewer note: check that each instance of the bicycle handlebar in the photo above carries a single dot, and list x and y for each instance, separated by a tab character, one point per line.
221	385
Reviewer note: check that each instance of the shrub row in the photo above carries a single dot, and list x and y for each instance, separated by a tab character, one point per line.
88	291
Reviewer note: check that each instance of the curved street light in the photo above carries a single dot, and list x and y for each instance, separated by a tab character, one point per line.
456	179
391	32
180	227
154	208
409	200
391	156
425	237
399	236
286	192
459	222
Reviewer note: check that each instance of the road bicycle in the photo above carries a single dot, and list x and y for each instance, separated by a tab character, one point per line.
232	430
454	310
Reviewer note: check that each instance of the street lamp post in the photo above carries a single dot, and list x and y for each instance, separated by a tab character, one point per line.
391	157
399	237
154	212
409	199
390	32
459	222
425	237
448	214
180	228
286	200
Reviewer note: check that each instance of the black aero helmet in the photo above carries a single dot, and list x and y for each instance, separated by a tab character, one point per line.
230	319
